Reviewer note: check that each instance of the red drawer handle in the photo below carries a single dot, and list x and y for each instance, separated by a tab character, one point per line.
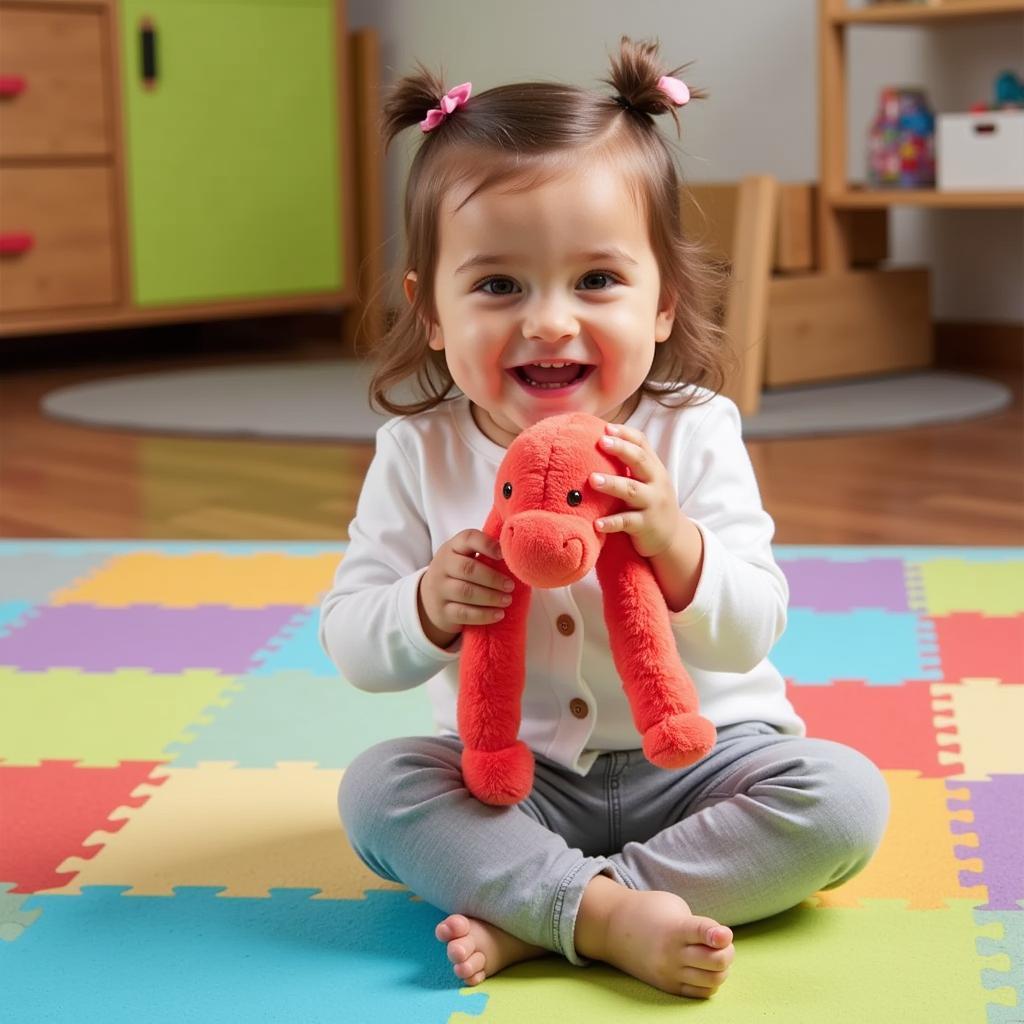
11	85
13	243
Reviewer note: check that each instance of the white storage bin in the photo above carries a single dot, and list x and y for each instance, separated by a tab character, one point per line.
980	151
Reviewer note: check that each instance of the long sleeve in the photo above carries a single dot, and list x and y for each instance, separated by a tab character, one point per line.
739	609
369	622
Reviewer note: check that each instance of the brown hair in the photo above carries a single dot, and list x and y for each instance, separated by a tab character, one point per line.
526	133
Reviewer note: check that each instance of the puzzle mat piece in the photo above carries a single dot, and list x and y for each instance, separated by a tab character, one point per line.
996	827
828	585
34	575
882	648
182	548
205	578
1006	968
880	962
143	636
915	861
987	717
906	552
980	646
295	716
297	646
249	830
10	613
103	956
102	719
891	724
14	920
49	810
943	586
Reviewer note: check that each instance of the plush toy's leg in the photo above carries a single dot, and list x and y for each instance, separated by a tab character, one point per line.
496	766
660	691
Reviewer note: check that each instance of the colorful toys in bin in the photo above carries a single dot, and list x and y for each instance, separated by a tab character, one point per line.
1008	94
901	141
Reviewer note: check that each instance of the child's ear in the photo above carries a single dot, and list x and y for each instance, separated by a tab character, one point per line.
409	285
666	317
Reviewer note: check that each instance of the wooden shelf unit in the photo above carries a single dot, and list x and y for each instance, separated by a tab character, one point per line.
836	196
875	198
925	13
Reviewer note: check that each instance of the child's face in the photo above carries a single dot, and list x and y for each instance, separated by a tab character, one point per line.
546	300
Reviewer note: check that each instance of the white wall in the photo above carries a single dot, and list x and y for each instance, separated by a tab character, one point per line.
758	60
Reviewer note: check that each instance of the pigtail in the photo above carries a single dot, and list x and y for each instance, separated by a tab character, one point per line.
634	77
407	101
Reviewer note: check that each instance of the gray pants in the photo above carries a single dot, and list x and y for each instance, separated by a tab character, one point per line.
762	822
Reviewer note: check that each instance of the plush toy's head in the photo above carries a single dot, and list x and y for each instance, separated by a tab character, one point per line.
546	504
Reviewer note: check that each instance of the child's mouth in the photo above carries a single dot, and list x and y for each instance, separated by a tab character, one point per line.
554	379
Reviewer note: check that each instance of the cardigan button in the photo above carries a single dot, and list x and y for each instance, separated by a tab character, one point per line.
579	707
565	625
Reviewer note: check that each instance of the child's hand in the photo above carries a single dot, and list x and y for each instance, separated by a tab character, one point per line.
458	589
654	517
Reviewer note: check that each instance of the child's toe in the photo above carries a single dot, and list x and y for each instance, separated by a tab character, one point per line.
470	966
458	951
707	932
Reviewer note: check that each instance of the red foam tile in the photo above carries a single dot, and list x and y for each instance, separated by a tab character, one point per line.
893	725
50	809
985	646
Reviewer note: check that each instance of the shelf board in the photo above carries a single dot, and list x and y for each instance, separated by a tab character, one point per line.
926	13
857	199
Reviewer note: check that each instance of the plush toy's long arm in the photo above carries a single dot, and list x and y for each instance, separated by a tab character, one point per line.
660	691
496	766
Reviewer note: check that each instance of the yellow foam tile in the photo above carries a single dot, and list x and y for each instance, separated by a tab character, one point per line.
986	716
916	859
249	829
238	581
942	586
878	963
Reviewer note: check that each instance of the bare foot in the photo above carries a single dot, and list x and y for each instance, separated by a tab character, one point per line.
654	937
479	949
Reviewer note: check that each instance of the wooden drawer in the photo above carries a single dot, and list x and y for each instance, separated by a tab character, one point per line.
55	100
69	214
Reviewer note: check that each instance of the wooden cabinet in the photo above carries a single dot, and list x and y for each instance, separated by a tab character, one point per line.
212	179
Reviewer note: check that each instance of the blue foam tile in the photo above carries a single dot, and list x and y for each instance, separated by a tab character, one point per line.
877	647
909	553
295	716
11	612
197	957
297	647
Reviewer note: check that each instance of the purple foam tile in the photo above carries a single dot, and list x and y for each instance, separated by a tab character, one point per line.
829	586
165	640
997	805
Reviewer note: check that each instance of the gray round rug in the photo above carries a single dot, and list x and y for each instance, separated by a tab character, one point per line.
327	400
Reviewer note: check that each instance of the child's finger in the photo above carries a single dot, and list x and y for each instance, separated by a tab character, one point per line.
628	488
640	460
469	542
621	522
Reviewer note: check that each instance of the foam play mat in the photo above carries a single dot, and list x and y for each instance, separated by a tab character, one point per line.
172	739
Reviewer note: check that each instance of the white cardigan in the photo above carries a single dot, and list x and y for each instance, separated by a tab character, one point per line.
433	475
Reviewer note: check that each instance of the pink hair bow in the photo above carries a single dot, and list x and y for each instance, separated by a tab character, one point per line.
449	101
677	91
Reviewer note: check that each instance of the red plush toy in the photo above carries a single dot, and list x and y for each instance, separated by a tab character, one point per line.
543	518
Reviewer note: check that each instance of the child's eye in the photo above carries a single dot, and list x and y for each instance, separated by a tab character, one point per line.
497	280
600	274
506	286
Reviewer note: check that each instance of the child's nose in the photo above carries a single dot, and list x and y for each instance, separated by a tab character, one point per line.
550	320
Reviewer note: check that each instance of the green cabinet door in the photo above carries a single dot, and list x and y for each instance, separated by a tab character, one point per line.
232	151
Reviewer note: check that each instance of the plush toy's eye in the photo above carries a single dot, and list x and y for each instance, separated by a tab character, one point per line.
507	490
575	498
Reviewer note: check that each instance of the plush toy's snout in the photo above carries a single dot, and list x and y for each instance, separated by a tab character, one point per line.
546	549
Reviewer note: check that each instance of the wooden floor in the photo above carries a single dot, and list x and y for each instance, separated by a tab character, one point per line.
957	484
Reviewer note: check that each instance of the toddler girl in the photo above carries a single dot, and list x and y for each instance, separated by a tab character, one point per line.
547	273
